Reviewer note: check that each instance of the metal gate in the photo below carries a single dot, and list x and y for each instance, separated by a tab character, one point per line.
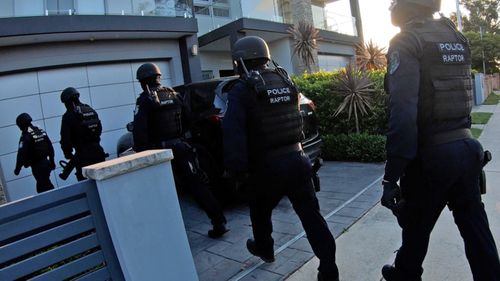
57	235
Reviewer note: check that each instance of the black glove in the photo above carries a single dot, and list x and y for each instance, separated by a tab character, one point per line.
68	156
17	171
392	196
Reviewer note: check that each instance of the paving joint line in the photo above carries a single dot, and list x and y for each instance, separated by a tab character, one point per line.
244	273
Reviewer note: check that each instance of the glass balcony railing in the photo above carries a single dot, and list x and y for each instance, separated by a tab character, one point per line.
165	8
338	23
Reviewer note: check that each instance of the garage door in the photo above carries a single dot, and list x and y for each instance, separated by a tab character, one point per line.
111	89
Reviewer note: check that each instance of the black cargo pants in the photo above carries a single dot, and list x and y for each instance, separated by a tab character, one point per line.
446	174
190	178
290	175
41	172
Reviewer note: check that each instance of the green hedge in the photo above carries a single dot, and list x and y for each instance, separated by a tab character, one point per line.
340	142
354	147
321	87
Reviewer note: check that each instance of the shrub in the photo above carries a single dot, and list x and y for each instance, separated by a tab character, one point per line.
354	147
321	87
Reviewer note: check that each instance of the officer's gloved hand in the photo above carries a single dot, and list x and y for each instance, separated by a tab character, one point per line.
68	156
17	171
391	198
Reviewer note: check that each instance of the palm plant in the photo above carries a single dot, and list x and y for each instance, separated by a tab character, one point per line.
356	88
369	56
305	37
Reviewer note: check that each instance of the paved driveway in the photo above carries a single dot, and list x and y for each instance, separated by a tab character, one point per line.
348	190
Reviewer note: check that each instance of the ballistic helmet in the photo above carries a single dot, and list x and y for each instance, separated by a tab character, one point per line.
68	94
249	48
434	5
23	120
147	70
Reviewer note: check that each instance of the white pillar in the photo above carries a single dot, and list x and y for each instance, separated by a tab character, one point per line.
142	211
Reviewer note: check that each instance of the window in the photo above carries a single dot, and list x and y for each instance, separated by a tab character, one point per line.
60	7
207	74
90	7
201	10
119	7
26	8
216	8
221	12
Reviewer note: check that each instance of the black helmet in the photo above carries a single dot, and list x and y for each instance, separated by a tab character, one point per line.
434	5
68	94
249	48
23	120
147	70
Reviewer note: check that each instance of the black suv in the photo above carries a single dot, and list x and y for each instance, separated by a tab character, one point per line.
207	101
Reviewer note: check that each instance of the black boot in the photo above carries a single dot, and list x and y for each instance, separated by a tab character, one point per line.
267	256
217	231
322	277
391	273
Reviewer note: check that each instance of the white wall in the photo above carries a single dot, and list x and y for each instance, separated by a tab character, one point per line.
20	58
281	52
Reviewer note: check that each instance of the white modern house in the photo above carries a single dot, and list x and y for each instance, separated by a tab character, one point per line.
97	45
222	22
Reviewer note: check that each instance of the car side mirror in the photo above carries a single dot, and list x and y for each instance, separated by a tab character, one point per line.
130	126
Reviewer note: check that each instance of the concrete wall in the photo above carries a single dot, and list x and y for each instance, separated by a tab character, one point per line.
142	211
216	61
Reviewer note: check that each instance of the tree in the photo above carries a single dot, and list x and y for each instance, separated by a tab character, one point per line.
305	37
482	14
369	56
356	88
491	46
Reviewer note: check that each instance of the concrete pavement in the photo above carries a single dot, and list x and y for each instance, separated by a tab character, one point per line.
370	243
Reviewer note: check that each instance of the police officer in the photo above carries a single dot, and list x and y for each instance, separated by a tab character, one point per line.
158	119
80	133
430	149
35	150
262	133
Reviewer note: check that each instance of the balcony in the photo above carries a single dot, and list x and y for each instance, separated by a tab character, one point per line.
335	16
31	8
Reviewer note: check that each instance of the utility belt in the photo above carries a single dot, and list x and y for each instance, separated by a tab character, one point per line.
168	143
447	137
296	147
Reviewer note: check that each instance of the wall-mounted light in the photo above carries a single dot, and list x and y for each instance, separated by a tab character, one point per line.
194	50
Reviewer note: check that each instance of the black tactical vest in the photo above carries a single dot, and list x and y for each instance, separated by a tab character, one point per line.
90	125
40	143
276	119
445	98
166	123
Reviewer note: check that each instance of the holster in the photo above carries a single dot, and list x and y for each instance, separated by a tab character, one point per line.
482	178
